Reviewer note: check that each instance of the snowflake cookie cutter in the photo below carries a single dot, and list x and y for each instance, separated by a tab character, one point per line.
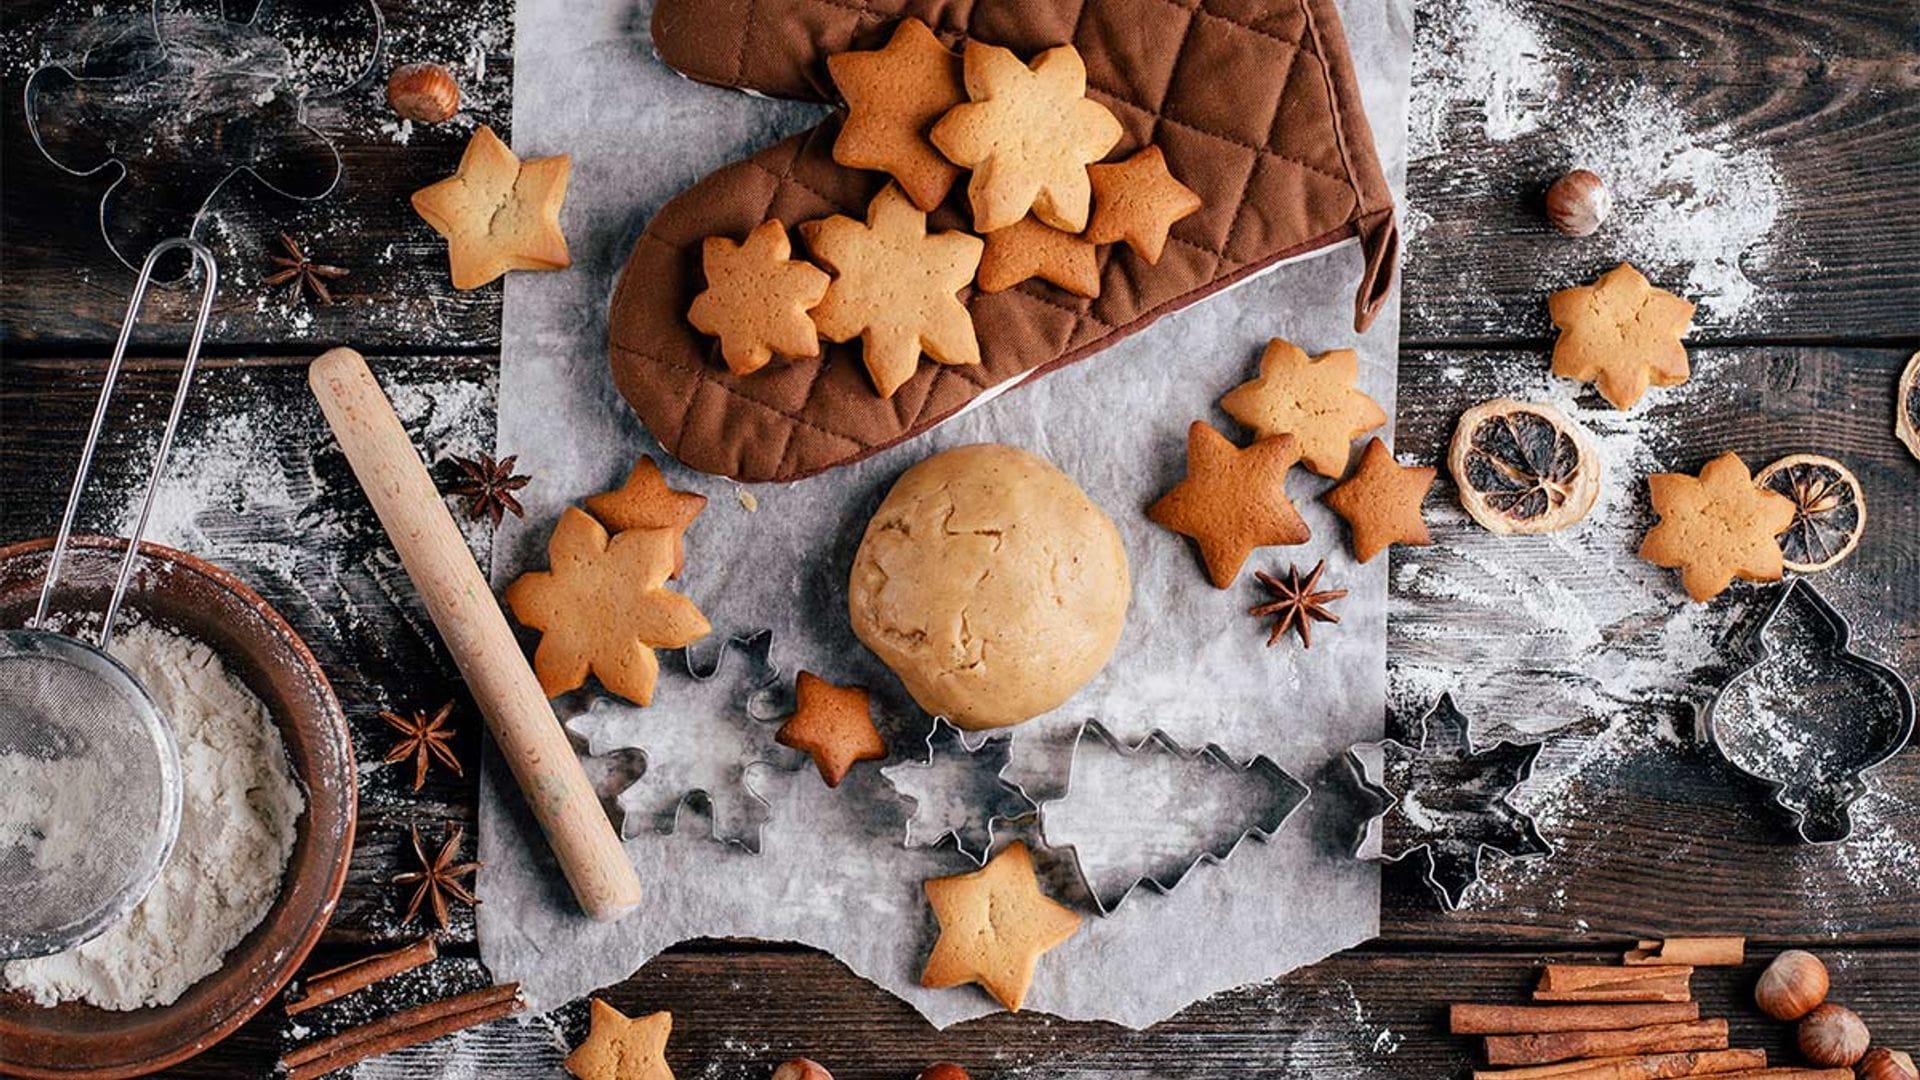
1809	717
1446	800
1172	855
970	821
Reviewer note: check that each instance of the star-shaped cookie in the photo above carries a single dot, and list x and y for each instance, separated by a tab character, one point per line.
1620	334
1381	502
994	925
757	298
1312	400
1717	527
1031	248
832	724
1138	200
604	608
498	213
894	95
1028	134
895	287
1232	500
646	502
619	1048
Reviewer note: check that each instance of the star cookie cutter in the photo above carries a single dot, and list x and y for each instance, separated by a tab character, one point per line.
1808	716
968	819
184	99
1167	841
1447	800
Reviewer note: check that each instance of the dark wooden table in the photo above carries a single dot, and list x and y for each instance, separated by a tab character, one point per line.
1666	840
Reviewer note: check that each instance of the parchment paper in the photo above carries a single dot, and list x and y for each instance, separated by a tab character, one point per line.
834	872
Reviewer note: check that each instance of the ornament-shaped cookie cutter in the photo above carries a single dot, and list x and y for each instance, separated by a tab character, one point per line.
1453	801
1286	795
974	839
1808	716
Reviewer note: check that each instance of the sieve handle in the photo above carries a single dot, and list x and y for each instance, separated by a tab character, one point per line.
470	621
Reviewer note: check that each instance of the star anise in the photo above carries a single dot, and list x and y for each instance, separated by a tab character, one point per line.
298	272
438	878
1296	603
422	737
490	484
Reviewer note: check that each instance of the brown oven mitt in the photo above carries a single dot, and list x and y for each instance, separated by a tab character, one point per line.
1253	102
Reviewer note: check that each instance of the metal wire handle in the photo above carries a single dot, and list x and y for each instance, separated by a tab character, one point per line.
203	258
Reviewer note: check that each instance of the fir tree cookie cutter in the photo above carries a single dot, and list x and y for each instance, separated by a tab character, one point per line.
1808	716
1447	800
1199	819
970	816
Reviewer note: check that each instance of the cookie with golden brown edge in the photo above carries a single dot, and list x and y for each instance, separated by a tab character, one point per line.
1381	502
1232	500
833	725
894	96
498	212
619	1047
757	298
645	501
1030	248
1620	334
1716	527
995	924
1312	399
1138	201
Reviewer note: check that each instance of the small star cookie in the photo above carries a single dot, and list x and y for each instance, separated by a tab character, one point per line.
895	288
604	608
620	1048
1138	200
1312	400
757	298
1381	502
498	213
893	96
832	724
1030	248
1028	134
994	925
645	501
1716	528
1232	500
1620	334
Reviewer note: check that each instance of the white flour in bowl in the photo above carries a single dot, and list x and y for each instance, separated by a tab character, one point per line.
237	819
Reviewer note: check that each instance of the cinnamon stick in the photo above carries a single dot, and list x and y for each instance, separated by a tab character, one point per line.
1715	1063
1664	989
1725	951
1582	976
338	982
1789	1073
410	1027
1559	1046
1535	1019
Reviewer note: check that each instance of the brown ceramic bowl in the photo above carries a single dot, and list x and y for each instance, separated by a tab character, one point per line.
174	590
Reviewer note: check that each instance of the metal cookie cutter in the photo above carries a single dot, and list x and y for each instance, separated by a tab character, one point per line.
1170	824
1808	716
967	816
1446	799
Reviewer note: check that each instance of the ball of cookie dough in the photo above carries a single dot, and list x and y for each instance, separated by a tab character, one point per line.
991	584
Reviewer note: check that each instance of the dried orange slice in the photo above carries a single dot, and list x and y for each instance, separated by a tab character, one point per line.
1907	415
1829	510
1522	467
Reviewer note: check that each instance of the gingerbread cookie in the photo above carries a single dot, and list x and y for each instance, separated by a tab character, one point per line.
646	502
994	925
1313	400
894	95
757	298
1232	500
622	1048
1381	502
1031	248
1716	528
1138	200
1620	334
498	213
894	288
1028	133
833	725
604	608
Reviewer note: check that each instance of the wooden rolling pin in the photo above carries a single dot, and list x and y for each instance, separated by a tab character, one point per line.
470	622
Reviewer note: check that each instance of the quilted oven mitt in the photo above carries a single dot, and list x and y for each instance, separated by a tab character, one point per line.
1253	102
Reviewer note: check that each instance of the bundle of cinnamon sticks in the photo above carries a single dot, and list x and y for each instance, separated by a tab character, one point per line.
1632	1021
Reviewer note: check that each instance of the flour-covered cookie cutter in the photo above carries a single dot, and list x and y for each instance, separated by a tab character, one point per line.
995	800
1284	796
1453	801
1809	717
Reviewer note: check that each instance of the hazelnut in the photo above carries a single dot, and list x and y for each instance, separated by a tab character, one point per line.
801	1069
945	1070
1884	1064
1578	202
1833	1036
423	92
1792	985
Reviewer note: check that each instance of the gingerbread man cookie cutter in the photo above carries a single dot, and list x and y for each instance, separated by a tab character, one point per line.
969	818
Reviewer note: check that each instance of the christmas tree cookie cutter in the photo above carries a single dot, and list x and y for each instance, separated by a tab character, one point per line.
969	816
1204	786
1808	716
1445	799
